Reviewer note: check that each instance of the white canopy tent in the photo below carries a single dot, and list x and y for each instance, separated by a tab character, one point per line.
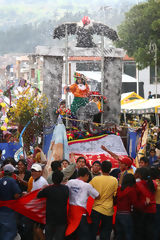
142	106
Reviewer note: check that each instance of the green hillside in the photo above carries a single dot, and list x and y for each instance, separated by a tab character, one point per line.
26	11
24	24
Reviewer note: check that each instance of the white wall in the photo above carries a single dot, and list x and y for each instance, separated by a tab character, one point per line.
144	76
73	69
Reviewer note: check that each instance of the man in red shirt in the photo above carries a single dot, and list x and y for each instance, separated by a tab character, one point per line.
144	216
126	199
125	164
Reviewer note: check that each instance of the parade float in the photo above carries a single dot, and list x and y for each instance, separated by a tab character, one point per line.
84	134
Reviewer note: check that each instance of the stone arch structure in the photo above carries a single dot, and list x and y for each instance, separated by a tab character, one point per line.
53	71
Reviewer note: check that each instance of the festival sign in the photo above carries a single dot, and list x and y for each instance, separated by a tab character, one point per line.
91	148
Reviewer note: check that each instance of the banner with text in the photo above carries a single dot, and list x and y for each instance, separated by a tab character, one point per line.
91	148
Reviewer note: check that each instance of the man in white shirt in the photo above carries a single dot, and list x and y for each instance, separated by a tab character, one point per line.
38	180
79	191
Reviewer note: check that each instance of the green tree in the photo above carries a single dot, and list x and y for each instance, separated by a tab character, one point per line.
140	27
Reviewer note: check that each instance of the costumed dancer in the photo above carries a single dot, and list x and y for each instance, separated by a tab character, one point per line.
62	110
80	90
96	98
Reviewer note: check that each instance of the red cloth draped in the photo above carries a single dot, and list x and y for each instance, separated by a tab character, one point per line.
29	206
74	217
75	214
35	208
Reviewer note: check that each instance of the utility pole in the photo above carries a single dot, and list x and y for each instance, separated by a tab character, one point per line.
153	48
137	77
102	75
104	9
66	69
156	72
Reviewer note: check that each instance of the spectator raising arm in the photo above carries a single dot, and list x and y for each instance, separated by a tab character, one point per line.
115	156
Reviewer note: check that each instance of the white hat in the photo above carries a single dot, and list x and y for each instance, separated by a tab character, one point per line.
37	167
8	168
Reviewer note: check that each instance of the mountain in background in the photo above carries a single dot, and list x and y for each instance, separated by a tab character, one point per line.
25	24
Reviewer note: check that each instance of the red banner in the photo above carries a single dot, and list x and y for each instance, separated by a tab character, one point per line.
100	157
91	148
35	209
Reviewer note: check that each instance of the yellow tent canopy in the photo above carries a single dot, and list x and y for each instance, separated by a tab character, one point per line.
129	97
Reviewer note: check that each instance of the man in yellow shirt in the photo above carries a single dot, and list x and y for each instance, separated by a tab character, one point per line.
103	207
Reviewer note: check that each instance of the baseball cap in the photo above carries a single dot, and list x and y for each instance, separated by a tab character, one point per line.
8	168
37	167
126	160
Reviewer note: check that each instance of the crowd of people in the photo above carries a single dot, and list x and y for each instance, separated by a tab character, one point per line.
83	201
